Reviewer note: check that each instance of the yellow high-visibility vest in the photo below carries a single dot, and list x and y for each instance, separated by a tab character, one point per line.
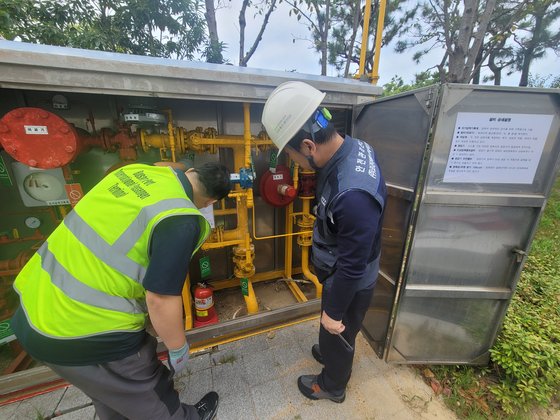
86	279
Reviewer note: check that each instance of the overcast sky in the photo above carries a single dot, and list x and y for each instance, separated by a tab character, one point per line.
286	46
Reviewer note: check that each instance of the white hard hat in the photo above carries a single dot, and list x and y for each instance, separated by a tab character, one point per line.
287	109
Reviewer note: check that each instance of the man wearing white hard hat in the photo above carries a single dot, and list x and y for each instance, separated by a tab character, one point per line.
351	196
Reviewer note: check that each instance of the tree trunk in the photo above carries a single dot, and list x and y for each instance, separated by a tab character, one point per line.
494	68
324	27
355	24
466	48
371	50
477	64
459	51
245	59
478	39
441	68
242	25
210	16
530	50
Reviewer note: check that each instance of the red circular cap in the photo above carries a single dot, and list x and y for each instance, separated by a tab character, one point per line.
38	138
287	191
276	188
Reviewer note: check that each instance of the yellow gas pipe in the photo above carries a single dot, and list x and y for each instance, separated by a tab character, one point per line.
244	251
246	268
170	133
304	240
288	251
173	139
208	140
365	34
305	223
244	198
239	237
187	303
247	133
378	39
288	260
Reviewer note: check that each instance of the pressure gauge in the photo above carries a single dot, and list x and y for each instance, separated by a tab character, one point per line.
43	186
32	222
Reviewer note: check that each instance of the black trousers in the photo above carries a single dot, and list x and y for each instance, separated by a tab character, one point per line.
337	358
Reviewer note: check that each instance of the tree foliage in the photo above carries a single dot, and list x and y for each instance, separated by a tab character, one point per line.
504	36
459	27
347	26
317	16
538	31
164	28
499	50
548	81
500	34
336	28
215	48
397	84
524	33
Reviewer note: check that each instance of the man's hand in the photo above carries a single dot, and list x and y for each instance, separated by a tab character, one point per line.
332	326
178	359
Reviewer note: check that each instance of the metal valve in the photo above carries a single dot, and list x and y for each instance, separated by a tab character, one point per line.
244	178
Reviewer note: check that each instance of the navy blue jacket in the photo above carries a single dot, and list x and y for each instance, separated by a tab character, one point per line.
351	195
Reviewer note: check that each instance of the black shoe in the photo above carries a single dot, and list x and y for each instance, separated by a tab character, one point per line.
309	387
207	407
316	352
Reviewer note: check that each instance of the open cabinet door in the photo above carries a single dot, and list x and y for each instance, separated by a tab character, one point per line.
481	186
397	128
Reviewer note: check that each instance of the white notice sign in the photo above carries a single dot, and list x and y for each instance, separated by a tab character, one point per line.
496	148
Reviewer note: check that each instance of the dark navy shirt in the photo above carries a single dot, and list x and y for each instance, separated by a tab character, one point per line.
171	246
173	242
356	217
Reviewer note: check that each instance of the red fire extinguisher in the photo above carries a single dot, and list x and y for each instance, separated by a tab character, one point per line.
205	312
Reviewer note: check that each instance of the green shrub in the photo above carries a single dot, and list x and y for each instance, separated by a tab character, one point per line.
527	351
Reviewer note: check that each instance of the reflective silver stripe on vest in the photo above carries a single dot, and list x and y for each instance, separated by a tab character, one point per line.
135	230
78	291
115	255
101	249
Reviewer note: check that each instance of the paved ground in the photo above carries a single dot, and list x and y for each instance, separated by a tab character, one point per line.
256	379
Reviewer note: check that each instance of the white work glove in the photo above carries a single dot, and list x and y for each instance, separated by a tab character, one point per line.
178	359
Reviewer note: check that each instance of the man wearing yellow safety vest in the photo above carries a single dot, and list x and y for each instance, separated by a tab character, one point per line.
346	244
120	255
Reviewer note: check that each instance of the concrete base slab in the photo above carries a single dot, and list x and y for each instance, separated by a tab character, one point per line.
256	378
